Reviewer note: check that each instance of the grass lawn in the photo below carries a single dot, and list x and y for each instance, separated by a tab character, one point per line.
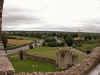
89	45
49	52
80	56
28	65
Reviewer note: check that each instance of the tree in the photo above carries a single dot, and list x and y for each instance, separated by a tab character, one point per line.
30	46
50	39
69	40
89	37
21	55
86	38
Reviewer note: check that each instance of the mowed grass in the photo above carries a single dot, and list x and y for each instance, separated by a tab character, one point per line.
28	65
89	45
49	52
80	56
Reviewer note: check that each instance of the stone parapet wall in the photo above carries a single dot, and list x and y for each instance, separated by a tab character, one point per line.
89	63
5	64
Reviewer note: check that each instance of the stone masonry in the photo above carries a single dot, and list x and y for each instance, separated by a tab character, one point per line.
81	69
87	65
5	64
65	59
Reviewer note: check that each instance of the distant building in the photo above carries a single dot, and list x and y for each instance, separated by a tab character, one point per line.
78	37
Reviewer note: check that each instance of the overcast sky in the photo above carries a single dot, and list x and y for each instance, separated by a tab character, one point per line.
52	15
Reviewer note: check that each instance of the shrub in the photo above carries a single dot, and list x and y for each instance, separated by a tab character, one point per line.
50	39
52	44
30	46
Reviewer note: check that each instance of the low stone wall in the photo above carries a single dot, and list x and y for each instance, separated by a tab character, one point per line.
5	64
44	59
33	73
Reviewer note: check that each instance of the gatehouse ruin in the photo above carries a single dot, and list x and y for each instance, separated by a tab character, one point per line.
65	59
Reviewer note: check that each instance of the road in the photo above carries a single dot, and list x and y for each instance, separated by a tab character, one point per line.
26	47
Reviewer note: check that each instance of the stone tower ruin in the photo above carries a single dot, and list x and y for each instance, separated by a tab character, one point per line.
65	59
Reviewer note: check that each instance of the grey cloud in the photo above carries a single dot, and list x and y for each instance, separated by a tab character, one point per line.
20	19
92	21
92	25
16	16
49	27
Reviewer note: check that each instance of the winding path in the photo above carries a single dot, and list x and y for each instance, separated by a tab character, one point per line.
78	51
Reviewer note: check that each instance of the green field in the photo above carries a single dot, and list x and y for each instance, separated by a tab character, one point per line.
23	38
80	56
89	45
49	52
28	65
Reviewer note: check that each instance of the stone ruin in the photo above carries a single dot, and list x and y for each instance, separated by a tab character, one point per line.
65	59
1	46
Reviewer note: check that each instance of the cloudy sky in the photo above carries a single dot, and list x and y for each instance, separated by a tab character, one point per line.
52	15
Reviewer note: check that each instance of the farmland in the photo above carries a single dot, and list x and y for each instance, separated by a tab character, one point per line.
12	43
